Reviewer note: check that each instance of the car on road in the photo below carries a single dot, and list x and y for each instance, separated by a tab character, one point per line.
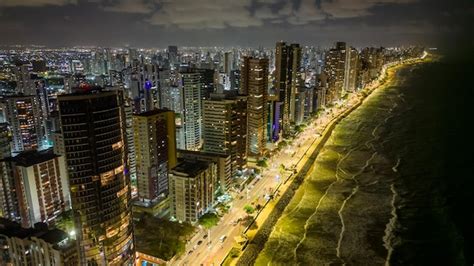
222	238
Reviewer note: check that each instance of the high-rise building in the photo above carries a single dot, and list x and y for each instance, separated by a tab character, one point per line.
94	132
58	143
144	81
225	128
322	87
308	104
191	118
11	194
25	84
130	141
171	98
173	54
192	189
24	116
36	181
43	101
228	62
353	70
299	104
169	93
254	84
341	70
5	140
155	149
234	79
287	80
223	162
222	83
208	79
372	60
274	118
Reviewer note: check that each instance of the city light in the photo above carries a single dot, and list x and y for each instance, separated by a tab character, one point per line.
117	148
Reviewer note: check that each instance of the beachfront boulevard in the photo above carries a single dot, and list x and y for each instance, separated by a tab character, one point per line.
212	250
293	157
210	247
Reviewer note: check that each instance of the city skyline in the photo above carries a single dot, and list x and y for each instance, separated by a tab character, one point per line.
236	132
180	134
144	23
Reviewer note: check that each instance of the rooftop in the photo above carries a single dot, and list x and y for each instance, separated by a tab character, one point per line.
53	236
198	155
190	169
12	229
153	112
29	158
87	91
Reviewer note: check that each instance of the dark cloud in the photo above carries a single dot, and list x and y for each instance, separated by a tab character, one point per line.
131	6
35	3
156	23
204	14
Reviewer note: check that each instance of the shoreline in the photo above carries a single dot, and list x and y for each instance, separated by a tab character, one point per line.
258	242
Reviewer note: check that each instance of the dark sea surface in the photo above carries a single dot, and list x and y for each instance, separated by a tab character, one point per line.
394	184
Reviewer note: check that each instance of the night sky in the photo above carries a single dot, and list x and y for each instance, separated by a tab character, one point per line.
158	23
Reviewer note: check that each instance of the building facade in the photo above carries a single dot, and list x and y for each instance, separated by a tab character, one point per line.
130	141
353	70
288	81
12	201
225	128
254	84
155	149
192	189
191	117
94	132
34	187
335	70
23	114
341	69
5	140
223	161
36	246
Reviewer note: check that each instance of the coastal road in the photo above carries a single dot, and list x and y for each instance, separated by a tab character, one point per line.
211	250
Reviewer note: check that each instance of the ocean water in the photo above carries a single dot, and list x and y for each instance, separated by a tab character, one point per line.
393	184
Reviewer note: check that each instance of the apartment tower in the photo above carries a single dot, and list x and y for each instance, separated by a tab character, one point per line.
93	127
155	149
254	84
